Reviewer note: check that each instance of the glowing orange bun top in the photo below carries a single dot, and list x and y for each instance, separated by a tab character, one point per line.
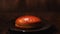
28	19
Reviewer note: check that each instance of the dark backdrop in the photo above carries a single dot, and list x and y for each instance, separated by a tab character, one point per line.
47	9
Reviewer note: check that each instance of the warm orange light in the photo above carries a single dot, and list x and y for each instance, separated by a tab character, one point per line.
26	20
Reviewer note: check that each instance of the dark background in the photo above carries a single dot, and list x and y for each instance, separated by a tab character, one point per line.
47	9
